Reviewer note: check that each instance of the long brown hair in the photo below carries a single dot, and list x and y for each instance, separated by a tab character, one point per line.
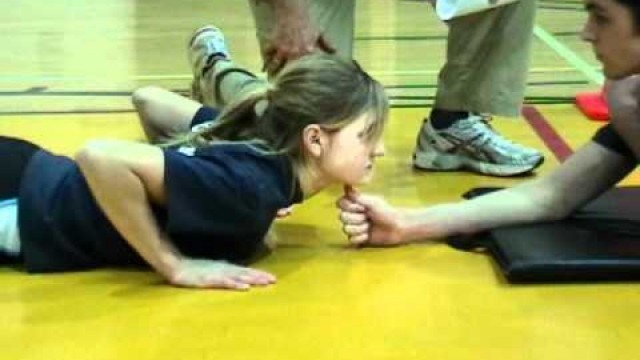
316	89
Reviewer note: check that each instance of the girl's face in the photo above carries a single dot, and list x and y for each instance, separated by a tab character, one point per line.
347	155
615	40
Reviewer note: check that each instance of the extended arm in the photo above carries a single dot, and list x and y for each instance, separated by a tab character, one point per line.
589	172
126	179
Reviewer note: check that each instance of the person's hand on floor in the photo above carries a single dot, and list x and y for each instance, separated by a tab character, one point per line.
202	273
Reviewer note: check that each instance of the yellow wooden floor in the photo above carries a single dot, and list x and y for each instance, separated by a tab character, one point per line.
66	68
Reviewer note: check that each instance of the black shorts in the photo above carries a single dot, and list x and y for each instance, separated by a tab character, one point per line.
203	115
15	155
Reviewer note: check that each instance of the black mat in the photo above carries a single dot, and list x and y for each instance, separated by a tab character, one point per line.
600	242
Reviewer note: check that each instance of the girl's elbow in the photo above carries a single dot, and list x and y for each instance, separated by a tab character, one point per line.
92	152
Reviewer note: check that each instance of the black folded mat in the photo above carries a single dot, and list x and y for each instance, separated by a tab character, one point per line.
600	242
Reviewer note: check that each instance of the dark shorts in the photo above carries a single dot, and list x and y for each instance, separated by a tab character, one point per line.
203	115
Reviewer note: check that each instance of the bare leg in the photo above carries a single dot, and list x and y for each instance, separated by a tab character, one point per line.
163	114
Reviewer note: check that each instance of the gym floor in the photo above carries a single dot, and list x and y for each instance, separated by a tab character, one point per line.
66	73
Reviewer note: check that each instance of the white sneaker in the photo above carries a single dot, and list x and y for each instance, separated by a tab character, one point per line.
472	144
204	43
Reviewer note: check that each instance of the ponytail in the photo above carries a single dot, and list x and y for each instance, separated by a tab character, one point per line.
237	122
316	89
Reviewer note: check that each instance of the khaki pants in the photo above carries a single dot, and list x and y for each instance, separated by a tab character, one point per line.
488	60
487	53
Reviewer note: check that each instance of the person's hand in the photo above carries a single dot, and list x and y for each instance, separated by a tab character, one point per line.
623	97
202	273
293	36
369	220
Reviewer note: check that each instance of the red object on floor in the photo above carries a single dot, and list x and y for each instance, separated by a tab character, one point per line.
593	105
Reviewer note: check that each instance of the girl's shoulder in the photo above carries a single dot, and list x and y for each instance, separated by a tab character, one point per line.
225	185
241	163
251	166
240	154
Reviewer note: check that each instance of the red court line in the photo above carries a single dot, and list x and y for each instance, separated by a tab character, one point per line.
547	133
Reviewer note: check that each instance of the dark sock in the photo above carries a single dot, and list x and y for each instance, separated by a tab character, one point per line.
442	119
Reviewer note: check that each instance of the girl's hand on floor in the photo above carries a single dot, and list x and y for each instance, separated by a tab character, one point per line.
202	273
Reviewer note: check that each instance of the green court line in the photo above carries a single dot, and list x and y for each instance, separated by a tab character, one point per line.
561	8
432	37
44	78
530	83
46	92
566	34
532	98
569	56
430	104
394	105
563	2
401	38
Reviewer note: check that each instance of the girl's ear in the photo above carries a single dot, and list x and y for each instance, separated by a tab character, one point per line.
313	139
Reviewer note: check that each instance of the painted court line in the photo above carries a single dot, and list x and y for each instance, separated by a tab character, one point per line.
560	149
569	55
44	78
540	125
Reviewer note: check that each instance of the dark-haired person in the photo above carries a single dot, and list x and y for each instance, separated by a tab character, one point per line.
613	29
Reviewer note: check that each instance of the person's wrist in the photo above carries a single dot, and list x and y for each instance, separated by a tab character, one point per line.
412	226
169	266
288	10
402	227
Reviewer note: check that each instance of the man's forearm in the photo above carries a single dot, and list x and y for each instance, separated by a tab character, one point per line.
507	207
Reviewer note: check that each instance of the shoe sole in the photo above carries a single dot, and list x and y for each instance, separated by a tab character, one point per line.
435	161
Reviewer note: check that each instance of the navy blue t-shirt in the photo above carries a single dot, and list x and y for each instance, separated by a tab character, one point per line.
221	200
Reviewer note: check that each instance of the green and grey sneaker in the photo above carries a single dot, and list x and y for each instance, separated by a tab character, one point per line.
472	144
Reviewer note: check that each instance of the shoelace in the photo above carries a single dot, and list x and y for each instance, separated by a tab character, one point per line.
490	136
